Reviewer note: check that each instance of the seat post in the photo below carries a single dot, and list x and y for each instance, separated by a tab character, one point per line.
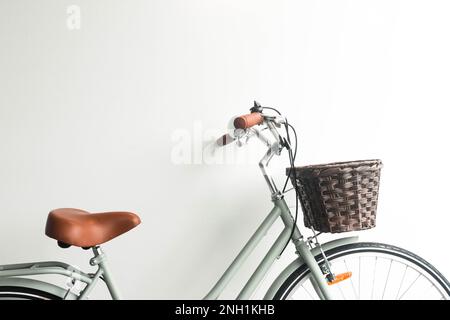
101	260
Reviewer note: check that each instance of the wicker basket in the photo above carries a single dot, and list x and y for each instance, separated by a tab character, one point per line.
339	197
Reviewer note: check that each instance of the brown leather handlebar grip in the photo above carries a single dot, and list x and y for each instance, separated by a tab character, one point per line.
225	139
248	120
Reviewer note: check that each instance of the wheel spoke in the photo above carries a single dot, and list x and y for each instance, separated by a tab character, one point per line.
374	277
432	285
401	282
387	278
351	280
309	294
340	290
410	286
359	278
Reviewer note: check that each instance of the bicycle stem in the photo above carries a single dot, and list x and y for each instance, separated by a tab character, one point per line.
264	164
274	149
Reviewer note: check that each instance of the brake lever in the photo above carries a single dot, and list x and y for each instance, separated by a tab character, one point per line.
240	135
243	136
276	120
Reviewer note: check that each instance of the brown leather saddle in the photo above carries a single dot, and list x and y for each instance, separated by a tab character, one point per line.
83	229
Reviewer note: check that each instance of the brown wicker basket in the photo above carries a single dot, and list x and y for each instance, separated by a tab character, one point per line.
340	196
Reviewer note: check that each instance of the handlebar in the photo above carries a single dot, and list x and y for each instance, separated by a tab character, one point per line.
248	120
244	131
246	123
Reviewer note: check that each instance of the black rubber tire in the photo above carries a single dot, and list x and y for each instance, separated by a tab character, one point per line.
340	251
22	293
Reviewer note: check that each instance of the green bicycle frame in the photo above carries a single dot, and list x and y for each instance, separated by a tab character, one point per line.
280	210
9	273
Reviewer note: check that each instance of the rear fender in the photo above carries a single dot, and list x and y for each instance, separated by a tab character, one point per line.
37	285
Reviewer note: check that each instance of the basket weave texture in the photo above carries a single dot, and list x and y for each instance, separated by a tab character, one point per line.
340	196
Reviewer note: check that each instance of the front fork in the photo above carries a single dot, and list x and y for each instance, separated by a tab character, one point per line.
319	280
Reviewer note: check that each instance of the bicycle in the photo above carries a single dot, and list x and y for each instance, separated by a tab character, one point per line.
342	268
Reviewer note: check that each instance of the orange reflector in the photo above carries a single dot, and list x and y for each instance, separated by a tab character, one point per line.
340	277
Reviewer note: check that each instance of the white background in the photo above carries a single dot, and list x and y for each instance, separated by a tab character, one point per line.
87	116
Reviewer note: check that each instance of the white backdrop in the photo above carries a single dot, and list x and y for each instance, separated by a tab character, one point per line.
88	117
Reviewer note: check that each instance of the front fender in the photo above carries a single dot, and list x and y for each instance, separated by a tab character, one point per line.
297	263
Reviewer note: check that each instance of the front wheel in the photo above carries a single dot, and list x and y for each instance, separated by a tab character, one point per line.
378	272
